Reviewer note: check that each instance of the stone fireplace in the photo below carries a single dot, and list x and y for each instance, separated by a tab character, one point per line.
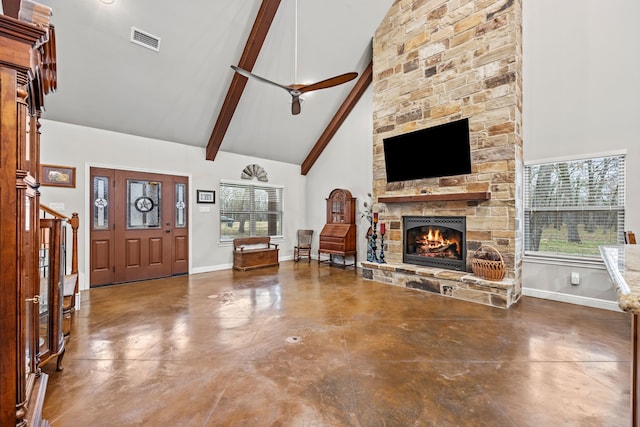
435	62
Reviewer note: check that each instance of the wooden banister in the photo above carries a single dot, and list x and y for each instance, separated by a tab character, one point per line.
69	297
52	212
74	222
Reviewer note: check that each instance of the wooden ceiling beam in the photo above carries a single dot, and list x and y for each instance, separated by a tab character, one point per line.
341	115
252	48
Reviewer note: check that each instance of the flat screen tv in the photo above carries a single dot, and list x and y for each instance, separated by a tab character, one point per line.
437	151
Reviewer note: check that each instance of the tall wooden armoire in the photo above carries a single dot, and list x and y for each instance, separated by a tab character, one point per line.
27	72
338	237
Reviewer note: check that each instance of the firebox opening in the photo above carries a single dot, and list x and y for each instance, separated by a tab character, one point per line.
435	241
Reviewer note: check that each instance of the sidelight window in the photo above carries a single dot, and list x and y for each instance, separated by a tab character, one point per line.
101	203
181	205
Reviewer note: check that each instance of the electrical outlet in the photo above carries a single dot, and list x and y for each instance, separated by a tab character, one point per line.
575	278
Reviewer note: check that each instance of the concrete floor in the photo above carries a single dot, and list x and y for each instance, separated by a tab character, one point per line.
309	345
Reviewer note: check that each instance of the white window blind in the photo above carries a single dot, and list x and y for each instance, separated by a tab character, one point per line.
249	210
574	206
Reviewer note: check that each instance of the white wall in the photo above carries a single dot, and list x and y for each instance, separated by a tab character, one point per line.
82	147
345	163
580	63
580	83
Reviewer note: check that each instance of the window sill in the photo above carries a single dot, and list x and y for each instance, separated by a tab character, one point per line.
229	242
565	260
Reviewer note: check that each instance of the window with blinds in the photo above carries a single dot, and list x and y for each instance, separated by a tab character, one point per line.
574	206
249	210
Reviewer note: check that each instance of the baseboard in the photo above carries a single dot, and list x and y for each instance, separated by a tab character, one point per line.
220	267
210	268
572	299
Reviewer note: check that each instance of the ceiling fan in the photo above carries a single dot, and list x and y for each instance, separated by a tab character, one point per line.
296	90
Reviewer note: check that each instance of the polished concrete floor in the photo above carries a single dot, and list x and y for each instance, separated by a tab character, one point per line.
309	345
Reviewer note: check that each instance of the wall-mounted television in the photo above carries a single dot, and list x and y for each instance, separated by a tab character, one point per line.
437	151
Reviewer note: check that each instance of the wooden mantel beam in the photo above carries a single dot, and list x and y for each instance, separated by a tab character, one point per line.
252	48
479	196
343	112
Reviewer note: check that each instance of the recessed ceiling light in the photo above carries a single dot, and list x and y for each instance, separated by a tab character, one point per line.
107	1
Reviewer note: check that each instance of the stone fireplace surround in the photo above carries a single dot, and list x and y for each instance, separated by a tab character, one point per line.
437	61
462	285
447	282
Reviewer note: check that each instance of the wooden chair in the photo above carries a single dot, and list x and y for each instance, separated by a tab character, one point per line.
303	247
629	237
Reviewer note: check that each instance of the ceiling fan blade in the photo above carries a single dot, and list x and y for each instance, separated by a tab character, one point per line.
295	105
296	90
333	81
247	74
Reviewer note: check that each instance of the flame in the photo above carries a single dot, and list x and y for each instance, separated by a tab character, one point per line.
435	236
434	239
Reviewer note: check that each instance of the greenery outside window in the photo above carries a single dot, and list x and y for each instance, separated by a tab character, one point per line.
250	210
574	206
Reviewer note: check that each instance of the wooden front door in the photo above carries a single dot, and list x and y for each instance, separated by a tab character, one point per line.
139	226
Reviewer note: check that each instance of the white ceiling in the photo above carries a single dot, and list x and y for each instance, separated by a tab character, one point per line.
107	82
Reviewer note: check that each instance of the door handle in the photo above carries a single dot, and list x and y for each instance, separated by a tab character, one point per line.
167	231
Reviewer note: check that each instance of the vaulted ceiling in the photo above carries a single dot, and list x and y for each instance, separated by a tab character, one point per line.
178	93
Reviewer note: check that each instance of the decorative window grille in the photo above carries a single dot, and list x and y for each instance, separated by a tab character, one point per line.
249	210
574	206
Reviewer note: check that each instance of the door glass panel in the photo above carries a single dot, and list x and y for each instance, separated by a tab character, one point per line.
181	205
143	204
100	203
45	273
336	212
27	213
28	304
27	141
29	347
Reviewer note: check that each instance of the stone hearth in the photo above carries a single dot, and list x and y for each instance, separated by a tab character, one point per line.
454	284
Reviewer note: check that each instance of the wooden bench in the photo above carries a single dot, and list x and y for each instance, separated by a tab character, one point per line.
254	252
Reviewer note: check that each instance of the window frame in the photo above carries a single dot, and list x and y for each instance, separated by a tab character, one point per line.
251	186
529	204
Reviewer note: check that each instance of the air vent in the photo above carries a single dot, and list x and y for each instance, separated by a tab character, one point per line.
145	39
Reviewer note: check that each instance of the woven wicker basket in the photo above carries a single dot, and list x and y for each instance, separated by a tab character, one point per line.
486	268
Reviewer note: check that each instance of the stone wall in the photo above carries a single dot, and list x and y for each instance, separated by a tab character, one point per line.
436	61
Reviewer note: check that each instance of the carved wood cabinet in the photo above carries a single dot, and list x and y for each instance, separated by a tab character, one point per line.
26	74
338	236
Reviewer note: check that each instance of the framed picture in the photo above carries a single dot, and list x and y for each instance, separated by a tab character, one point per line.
206	196
58	176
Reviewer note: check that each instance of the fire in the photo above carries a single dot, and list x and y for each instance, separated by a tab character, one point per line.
435	237
433	243
432	239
